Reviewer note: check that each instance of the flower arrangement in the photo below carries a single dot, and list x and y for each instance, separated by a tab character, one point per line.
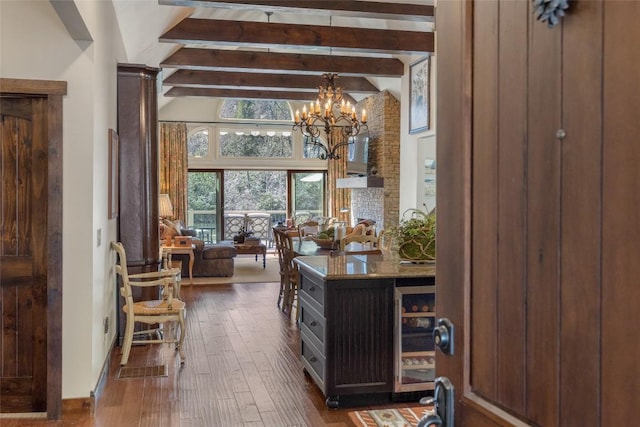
416	236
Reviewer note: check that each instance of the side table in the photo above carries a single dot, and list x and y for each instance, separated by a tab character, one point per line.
182	250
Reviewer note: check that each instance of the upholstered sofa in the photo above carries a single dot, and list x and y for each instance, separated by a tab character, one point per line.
215	260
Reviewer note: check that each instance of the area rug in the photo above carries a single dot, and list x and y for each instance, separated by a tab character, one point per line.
391	417
245	270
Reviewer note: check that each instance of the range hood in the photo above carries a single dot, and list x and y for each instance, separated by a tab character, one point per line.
370	181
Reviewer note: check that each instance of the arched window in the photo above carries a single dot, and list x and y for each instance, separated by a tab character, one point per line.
198	143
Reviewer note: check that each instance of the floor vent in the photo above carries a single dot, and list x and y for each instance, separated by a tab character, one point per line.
127	372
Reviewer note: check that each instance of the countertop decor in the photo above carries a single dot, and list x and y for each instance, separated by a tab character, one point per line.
416	236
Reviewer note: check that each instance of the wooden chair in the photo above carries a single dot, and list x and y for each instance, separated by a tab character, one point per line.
308	228
165	312
278	238
290	295
301	216
368	242
169	268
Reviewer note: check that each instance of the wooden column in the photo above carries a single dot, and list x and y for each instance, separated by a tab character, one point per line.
138	157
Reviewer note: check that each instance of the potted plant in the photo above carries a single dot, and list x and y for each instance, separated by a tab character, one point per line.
242	236
416	236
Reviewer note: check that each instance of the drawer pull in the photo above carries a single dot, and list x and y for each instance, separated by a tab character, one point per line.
312	288
313	323
313	359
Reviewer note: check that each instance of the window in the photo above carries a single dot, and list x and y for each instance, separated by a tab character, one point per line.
256	191
256	109
255	143
311	150
198	143
204	198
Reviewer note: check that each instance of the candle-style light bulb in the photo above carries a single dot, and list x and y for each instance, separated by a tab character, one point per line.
297	116
364	116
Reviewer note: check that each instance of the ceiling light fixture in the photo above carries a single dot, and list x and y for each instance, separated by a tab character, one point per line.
332	114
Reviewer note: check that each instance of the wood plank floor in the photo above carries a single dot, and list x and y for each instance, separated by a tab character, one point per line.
242	369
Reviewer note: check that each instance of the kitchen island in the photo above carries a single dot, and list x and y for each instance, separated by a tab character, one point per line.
353	328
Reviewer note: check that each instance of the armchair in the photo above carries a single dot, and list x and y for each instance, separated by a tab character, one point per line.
165	312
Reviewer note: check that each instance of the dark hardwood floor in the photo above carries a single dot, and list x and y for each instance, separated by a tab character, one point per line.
242	369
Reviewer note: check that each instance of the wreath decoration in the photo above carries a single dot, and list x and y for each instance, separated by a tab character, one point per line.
550	11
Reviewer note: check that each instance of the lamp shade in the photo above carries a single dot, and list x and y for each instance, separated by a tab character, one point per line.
165	206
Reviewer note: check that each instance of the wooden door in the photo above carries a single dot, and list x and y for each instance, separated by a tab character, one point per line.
24	263
538	199
30	246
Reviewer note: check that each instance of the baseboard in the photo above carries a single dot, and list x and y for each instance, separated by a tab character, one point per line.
88	405
76	405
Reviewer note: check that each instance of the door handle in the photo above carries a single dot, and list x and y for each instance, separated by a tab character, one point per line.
430	420
443	405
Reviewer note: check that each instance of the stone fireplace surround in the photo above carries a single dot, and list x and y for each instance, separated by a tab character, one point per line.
381	204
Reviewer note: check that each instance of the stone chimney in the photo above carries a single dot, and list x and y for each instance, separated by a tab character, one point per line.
381	204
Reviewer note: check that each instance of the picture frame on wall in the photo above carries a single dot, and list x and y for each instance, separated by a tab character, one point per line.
113	174
419	83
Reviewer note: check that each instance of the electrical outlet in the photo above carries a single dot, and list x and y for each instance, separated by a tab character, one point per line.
106	324
99	236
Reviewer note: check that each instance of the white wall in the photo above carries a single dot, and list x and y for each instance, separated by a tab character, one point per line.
35	44
414	148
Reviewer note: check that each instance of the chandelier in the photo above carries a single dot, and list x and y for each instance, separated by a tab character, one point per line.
331	114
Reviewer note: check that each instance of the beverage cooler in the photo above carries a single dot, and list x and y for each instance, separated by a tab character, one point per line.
415	318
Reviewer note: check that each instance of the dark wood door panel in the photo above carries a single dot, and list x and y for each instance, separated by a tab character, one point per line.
542	195
580	280
620	391
552	208
510	164
23	255
16	270
485	220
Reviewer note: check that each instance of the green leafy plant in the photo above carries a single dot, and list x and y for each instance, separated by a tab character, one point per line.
416	236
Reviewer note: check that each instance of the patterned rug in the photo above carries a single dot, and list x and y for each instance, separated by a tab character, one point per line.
392	417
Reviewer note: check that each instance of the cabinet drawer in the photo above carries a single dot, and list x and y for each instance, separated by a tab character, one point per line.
313	323
313	288
314	361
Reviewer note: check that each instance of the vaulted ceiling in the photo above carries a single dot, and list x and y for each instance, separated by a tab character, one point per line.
276	49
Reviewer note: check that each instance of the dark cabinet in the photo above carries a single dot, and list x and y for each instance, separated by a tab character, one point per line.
347	335
138	173
348	328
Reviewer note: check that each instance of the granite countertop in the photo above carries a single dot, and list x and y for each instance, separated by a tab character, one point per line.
362	267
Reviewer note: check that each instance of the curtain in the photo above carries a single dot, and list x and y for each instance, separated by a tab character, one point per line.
173	166
338	197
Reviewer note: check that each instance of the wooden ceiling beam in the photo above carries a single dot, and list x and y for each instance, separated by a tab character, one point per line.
286	82
246	94
293	63
349	8
276	35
